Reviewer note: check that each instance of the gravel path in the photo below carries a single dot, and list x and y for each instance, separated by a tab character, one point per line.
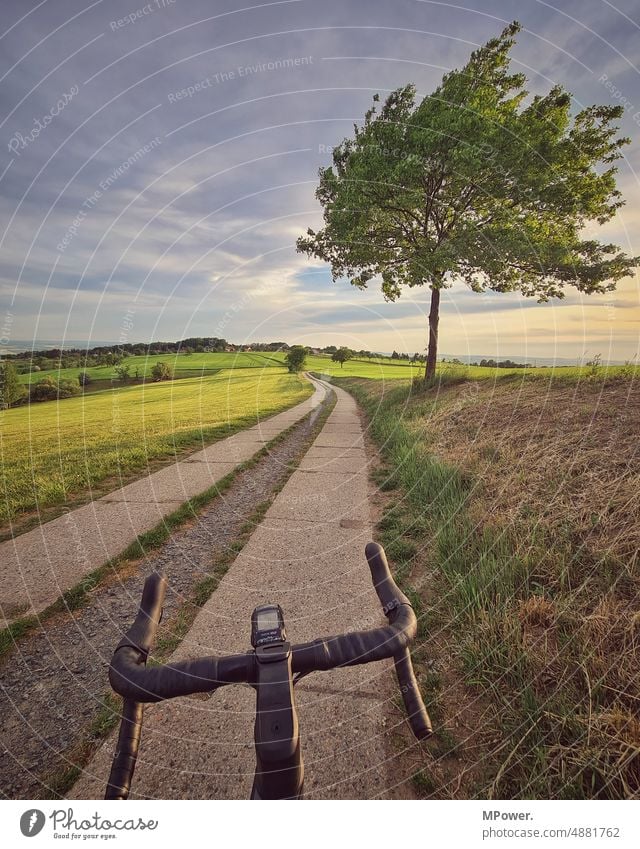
53	683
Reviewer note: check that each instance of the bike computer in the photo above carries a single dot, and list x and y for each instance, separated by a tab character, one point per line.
267	625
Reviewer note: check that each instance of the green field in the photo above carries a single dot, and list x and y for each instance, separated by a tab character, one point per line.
52	451
193	365
55	452
383	368
184	365
388	369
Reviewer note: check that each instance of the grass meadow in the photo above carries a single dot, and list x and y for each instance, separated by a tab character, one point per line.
54	450
183	365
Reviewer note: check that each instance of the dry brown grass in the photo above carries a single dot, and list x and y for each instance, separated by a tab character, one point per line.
610	637
536	612
568	455
564	464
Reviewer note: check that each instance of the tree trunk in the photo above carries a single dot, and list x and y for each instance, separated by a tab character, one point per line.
434	318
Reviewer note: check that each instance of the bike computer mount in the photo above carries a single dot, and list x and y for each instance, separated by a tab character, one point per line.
279	769
267	626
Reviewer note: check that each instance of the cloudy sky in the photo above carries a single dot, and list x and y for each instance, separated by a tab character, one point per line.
158	161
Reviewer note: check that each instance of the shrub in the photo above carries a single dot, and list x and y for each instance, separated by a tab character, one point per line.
162	371
48	390
67	388
296	358
84	378
122	373
44	390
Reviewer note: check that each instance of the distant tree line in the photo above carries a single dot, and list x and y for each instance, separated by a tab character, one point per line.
113	355
502	364
413	358
489	363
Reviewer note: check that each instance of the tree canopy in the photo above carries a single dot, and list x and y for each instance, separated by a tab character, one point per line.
478	183
342	355
11	390
296	358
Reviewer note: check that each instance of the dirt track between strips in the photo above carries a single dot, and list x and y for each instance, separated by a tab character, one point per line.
308	555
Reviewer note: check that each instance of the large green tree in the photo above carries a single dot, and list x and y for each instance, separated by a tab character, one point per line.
473	184
341	356
295	358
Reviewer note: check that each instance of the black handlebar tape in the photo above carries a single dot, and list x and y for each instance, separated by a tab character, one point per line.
391	597
412	697
124	760
358	646
137	643
132	679
388	592
142	633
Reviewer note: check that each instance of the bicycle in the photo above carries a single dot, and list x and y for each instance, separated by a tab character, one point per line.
272	668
